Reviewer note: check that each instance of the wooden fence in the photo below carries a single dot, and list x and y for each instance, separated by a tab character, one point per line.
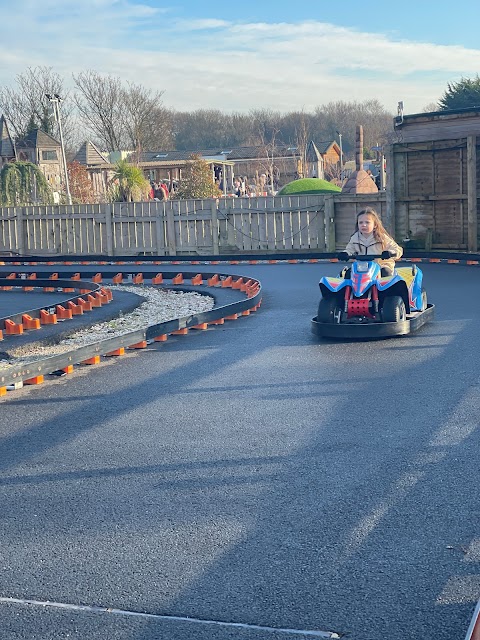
184	227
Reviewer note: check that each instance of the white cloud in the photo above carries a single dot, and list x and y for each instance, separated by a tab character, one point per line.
212	63
197	25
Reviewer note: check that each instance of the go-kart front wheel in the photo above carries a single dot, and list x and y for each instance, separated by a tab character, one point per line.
329	310
393	309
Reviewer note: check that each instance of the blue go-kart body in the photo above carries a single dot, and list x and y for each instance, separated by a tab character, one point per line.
366	304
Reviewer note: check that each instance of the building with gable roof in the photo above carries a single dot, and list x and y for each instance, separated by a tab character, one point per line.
7	146
98	166
284	161
258	163
44	150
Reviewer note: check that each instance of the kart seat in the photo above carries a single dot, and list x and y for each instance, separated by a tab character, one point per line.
406	274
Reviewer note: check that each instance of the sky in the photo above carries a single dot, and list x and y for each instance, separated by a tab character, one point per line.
252	54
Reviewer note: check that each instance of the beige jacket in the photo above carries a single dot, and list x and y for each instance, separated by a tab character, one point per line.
368	245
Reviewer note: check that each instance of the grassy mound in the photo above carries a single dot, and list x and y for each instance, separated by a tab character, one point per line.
306	186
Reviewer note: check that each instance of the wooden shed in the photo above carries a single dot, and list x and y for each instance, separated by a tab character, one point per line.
432	176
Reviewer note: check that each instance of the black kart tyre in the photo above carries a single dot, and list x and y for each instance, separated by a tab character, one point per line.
329	310
393	309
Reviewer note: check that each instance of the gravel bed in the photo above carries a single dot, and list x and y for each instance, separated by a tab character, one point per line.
160	306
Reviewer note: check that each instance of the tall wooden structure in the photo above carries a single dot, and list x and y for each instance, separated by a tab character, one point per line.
433	174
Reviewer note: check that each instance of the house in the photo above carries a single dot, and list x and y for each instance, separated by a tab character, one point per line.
98	166
44	150
7	146
258	163
285	163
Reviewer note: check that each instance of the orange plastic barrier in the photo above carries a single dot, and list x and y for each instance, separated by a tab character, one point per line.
47	318
62	313
213	280
29	322
12	328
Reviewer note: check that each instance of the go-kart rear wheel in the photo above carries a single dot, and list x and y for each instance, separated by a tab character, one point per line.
329	310
393	309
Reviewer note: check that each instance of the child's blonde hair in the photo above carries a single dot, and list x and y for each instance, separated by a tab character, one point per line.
379	232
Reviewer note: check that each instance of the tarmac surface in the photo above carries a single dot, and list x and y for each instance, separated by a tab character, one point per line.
251	481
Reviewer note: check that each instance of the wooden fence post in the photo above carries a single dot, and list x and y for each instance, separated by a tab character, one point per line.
214	227
108	212
20	231
329	217
160	228
390	192
171	242
472	241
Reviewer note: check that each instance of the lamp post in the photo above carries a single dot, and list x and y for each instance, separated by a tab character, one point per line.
341	155
56	100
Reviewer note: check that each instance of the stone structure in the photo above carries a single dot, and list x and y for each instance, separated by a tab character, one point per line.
359	181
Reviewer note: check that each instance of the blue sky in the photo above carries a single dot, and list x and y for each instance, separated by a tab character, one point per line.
251	54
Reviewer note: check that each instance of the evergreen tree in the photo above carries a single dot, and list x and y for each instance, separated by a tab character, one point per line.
197	180
464	94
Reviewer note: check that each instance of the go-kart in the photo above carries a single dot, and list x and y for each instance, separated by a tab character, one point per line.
362	303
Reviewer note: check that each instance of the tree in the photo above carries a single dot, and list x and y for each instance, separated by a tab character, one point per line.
345	116
98	100
197	180
128	184
23	183
146	124
27	107
122	116
431	106
464	94
81	187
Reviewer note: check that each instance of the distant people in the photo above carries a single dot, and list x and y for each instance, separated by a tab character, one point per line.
165	190
237	187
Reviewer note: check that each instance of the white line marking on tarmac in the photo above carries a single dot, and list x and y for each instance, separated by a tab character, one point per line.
121	612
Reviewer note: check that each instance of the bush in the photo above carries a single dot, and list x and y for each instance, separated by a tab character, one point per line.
306	186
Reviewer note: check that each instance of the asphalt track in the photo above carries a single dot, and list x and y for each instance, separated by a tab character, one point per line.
252	482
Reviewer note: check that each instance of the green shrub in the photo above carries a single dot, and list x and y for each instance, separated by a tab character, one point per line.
306	186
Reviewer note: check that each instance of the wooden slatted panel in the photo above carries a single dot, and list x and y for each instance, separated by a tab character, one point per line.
447	172
295	227
270	216
420	174
9	228
420	218
279	232
304	238
450	227
245	241
287	230
345	217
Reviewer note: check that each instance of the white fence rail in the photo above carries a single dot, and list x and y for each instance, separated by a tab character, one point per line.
184	227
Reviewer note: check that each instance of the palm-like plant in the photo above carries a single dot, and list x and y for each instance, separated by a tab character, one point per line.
128	183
